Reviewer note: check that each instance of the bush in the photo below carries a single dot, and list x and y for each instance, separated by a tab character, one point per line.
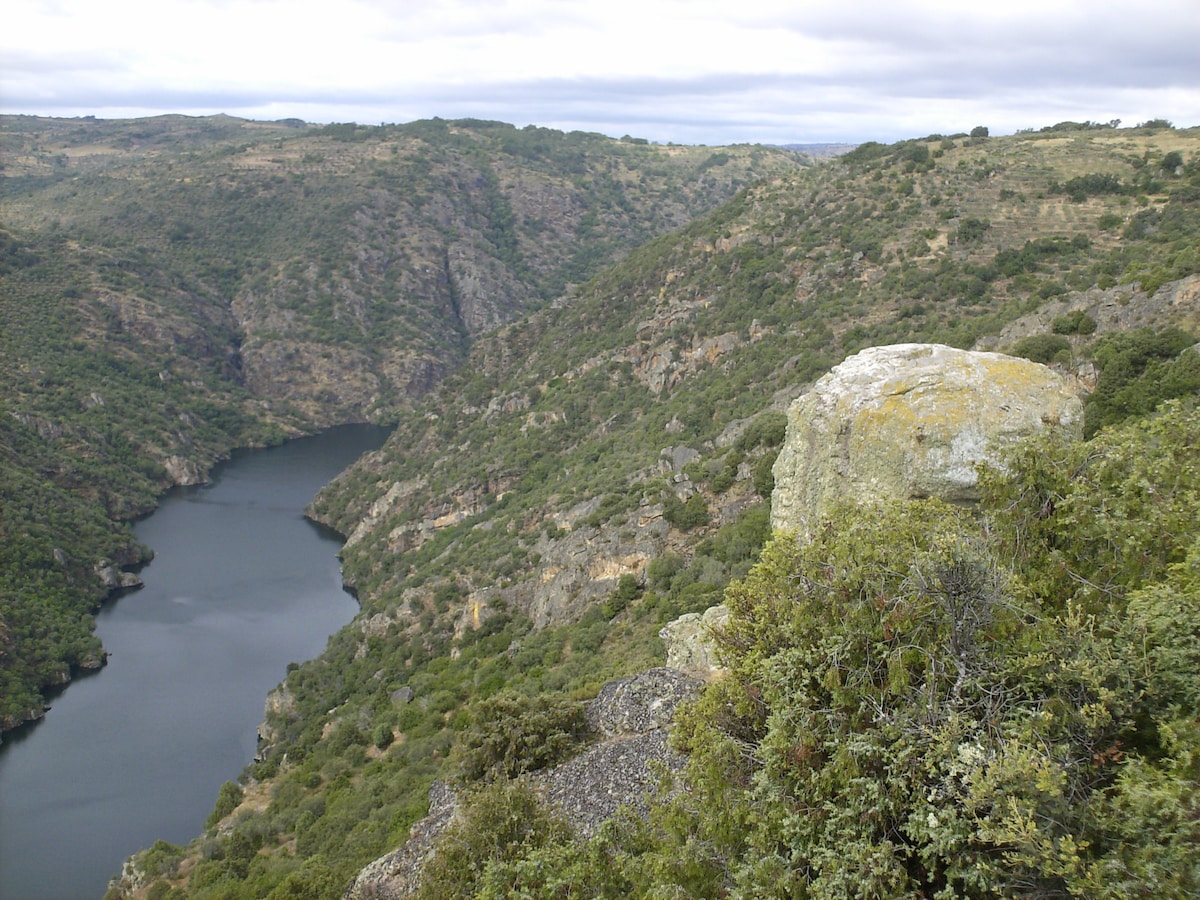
1077	322
937	723
228	799
1139	370
685	516
511	734
503	822
1041	348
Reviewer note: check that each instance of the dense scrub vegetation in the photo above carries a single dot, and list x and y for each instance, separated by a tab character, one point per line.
928	702
635	417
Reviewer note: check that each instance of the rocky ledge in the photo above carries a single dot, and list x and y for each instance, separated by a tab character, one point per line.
629	717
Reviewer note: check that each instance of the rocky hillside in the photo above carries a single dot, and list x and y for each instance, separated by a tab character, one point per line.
601	467
558	487
348	267
171	288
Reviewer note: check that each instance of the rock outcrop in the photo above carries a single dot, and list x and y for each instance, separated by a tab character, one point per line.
911	421
113	578
629	716
639	704
1121	308
690	645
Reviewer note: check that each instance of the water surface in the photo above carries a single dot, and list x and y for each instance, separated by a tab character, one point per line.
241	585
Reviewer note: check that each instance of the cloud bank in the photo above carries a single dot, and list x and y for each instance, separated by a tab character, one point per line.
690	72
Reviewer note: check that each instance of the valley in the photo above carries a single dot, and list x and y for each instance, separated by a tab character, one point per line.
588	349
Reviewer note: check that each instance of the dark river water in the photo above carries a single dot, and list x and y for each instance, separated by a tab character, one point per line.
241	585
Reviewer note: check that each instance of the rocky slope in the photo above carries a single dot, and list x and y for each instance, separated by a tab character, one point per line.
601	468
173	288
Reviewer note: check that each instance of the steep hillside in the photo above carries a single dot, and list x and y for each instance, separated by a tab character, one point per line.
602	466
699	330
353	264
172	288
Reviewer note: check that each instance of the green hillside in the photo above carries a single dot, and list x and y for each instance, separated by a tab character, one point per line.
172	288
560	486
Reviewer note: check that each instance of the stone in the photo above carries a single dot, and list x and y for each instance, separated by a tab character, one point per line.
639	703
618	773
402	696
184	472
912	421
114	579
690	645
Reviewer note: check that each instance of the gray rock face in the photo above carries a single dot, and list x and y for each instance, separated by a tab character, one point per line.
689	643
640	703
113	578
911	421
588	790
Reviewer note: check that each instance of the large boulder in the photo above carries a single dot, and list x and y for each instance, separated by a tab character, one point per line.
690	645
911	421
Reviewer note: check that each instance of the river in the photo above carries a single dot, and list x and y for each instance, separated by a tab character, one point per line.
241	585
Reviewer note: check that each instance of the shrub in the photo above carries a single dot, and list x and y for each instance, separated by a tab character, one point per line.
1041	348
511	734
1077	322
228	799
685	516
503	822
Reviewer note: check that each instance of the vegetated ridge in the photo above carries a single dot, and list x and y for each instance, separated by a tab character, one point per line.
175	287
602	467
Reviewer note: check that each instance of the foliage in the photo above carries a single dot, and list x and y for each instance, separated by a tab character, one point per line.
511	734
904	717
1042	348
503	821
685	515
1077	322
1138	370
228	799
1093	521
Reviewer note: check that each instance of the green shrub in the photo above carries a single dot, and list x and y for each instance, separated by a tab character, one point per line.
504	821
685	516
1138	371
511	734
1077	322
228	799
1041	348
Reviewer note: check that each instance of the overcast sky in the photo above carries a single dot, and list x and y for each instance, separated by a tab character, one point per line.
688	71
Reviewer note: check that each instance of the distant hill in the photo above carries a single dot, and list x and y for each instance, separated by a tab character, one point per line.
820	151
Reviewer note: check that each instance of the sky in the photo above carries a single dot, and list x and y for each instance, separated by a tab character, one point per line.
685	71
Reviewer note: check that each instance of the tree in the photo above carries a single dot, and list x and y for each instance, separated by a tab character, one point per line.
979	131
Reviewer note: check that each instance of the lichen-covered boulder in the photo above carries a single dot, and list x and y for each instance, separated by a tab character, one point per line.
689	642
911	421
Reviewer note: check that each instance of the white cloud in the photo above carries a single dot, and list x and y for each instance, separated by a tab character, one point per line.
699	71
